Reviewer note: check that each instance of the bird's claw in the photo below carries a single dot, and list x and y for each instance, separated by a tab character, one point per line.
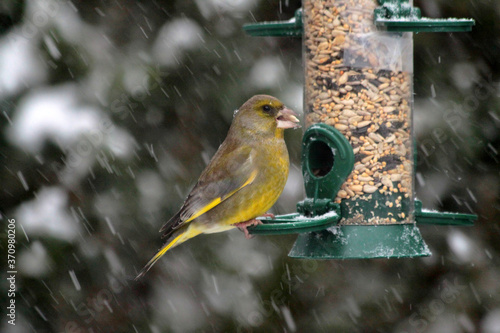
244	225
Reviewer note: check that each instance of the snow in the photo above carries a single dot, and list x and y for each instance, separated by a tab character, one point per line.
466	323
136	80
419	19
293	191
464	75
34	261
293	97
209	8
152	189
53	114
174	38
491	322
227	293
420	179
74	279
119	141
460	244
287	315
329	214
267	73
245	258
51	47
114	262
177	307
37	309
20	64
216	287
47	215
110	225
23	180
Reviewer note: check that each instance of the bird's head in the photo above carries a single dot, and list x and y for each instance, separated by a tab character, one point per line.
263	113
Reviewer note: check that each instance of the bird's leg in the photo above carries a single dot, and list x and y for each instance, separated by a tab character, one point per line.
244	225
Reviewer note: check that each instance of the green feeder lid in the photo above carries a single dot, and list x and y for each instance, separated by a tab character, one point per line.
399	15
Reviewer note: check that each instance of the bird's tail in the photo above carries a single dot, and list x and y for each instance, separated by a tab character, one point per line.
178	237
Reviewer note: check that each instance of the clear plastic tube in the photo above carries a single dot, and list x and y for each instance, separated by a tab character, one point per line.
359	80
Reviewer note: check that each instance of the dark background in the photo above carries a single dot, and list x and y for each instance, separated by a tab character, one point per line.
110	110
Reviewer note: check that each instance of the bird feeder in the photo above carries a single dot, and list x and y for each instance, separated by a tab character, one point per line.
358	147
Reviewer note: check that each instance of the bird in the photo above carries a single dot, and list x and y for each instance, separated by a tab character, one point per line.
243	179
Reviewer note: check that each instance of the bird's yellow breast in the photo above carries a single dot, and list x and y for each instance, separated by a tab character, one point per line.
257	198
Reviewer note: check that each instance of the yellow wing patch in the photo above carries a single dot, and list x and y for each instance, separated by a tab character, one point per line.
205	209
165	249
217	201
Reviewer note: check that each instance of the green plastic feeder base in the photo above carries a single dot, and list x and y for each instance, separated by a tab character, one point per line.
361	242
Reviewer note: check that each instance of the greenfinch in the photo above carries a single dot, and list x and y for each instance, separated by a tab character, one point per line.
242	181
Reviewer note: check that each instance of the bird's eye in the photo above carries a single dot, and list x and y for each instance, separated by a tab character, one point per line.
266	108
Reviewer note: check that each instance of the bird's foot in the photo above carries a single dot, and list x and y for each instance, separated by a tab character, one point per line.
271	215
244	225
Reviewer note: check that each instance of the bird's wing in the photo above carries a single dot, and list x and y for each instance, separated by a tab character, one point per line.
229	171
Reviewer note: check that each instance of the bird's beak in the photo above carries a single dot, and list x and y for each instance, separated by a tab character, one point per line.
286	118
